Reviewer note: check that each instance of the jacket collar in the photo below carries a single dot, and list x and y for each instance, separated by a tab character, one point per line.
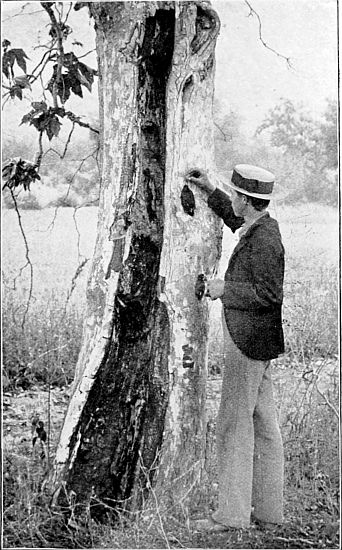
244	237
247	229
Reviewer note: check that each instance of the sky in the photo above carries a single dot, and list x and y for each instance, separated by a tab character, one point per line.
250	79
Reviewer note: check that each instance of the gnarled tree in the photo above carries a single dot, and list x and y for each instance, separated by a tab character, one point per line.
137	408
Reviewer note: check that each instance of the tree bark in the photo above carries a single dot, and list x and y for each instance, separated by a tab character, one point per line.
136	415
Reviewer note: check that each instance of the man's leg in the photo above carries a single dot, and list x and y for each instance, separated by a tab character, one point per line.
235	435
268	476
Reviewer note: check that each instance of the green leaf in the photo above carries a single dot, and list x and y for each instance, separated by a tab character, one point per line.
22	82
16	91
10	57
87	74
8	60
74	82
63	85
70	59
18	172
39	106
20	57
26	118
53	128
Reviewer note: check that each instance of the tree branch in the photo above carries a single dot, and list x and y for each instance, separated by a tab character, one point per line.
253	12
28	260
60	59
330	405
71	116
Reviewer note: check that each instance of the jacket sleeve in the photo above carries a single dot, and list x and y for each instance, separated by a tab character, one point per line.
222	206
264	285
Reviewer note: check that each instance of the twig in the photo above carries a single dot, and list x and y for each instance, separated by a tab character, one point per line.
40	150
73	283
28	260
330	405
149	485
306	541
43	62
68	140
253	12
19	14
71	116
78	233
58	348
222	132
87	53
67	15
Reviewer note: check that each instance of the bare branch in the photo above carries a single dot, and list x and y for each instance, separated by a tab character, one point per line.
67	15
28	260
40	150
225	136
68	140
253	12
19	14
330	405
71	116
42	62
87	53
77	273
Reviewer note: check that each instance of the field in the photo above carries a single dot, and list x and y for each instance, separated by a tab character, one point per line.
39	363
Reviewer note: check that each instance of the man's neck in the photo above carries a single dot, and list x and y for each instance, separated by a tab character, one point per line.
253	215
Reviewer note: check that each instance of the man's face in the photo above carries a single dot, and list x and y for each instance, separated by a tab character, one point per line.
238	203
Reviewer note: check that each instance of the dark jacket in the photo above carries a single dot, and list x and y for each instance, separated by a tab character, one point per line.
253	293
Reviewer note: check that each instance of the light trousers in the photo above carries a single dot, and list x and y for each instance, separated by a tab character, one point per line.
249	445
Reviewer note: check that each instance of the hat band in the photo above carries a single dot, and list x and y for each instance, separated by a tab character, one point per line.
252	186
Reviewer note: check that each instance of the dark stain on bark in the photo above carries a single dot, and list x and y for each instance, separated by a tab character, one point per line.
121	426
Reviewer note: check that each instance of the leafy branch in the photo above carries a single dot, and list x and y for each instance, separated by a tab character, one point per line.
61	74
69	76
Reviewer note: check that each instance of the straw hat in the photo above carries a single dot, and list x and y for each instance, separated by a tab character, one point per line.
253	181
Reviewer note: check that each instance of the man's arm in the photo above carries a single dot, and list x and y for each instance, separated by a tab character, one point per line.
222	206
218	200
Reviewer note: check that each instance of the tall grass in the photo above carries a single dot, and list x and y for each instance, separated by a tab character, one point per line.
45	350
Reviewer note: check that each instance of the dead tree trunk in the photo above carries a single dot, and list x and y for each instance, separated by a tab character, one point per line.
139	394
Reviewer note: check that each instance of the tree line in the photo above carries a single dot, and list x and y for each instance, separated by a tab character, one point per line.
300	148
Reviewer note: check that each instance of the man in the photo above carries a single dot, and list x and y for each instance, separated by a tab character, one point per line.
249	444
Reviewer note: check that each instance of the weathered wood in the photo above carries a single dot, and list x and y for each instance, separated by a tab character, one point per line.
139	391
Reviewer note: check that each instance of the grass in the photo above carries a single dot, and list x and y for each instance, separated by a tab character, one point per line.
39	362
46	350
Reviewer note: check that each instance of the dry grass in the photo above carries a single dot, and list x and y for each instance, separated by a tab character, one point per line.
39	362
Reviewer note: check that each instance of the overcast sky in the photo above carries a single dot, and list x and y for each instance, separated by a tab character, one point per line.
249	78
253	79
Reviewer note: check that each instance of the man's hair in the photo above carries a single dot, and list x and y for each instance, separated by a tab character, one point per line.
258	204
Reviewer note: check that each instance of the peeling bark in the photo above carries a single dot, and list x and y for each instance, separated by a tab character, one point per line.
137	407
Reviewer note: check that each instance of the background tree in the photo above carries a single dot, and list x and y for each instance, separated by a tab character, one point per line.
309	147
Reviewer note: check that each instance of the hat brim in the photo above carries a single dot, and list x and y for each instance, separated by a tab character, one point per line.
277	194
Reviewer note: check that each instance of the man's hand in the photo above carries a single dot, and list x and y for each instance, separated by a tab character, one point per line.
215	289
200	178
